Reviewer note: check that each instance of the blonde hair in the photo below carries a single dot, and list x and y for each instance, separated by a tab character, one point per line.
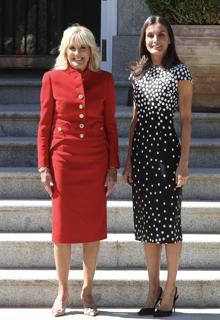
78	35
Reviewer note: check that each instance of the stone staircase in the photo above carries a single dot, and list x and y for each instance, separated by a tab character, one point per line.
28	277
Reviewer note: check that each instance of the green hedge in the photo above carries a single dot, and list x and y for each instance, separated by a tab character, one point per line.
187	11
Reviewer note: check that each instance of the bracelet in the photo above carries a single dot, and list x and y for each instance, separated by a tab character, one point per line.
43	169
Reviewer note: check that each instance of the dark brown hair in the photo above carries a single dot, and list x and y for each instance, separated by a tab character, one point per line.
170	59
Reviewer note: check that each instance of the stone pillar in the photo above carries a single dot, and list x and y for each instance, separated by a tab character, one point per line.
131	16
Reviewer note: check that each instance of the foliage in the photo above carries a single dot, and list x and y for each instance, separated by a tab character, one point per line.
187	11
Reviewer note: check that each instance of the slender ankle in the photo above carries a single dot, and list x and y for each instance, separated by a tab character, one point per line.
87	288
63	291
170	288
154	289
86	292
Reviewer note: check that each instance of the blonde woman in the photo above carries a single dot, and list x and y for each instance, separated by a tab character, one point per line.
77	156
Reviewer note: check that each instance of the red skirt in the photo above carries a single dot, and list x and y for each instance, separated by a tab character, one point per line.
79	168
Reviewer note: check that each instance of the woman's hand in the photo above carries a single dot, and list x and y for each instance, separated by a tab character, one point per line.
182	175
127	173
47	181
111	180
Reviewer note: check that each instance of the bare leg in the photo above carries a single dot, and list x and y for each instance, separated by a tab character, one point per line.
62	255
152	255
173	251
90	254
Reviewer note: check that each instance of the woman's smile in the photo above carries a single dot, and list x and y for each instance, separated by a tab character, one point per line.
157	41
78	56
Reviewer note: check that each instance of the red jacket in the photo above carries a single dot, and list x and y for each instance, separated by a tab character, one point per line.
76	105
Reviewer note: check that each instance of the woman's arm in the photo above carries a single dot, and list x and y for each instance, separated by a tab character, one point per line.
112	135
110	122
44	132
185	108
127	174
46	121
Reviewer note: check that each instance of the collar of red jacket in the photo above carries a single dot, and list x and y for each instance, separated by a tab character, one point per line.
72	70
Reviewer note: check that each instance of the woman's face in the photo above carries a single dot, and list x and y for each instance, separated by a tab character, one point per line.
157	40
78	56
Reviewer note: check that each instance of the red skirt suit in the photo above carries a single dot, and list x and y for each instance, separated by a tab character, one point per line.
77	140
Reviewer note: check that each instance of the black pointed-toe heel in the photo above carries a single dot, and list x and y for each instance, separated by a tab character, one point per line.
167	313
150	311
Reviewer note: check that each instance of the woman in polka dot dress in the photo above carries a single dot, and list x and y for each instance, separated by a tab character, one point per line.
157	165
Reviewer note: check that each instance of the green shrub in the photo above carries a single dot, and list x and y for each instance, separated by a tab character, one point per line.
187	11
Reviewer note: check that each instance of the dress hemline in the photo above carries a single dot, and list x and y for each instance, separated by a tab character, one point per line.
157	242
80	241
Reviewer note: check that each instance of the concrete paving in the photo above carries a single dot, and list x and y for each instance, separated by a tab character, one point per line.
106	314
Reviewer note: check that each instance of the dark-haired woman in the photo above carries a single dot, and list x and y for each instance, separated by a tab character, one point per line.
157	164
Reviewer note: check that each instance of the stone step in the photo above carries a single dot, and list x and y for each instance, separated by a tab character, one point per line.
112	288
204	184
205	95
18	151
124	91
204	124
19	120
35	216
24	183
104	314
22	151
27	91
22	120
204	153
34	250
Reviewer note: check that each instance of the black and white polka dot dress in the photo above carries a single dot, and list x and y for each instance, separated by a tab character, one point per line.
155	156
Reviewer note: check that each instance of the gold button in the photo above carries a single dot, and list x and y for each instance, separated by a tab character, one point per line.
59	129
81	106
81	135
81	115
80	96
81	125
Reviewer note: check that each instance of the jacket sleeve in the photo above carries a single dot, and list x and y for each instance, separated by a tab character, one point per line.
110	123
46	120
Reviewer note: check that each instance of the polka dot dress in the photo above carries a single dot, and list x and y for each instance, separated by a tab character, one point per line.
155	156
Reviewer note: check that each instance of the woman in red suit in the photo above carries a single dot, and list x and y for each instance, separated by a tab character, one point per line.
77	156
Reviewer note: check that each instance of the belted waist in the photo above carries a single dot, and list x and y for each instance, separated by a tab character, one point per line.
78	128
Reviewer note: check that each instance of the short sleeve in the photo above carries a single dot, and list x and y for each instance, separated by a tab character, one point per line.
183	72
